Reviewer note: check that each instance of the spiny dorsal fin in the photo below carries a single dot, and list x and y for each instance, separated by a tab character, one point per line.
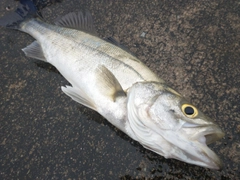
34	50
108	85
78	20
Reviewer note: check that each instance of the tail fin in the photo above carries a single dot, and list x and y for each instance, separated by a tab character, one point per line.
26	9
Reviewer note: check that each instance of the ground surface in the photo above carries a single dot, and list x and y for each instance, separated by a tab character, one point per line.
193	45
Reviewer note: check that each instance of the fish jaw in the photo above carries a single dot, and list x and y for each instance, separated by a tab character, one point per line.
157	122
193	149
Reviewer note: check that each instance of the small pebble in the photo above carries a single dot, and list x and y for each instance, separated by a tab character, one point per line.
8	8
143	35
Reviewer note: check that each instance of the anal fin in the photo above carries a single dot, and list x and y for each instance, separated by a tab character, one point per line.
34	50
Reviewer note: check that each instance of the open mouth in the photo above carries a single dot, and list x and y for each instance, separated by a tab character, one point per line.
203	136
210	134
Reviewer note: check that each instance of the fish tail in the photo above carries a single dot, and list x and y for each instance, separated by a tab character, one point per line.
27	9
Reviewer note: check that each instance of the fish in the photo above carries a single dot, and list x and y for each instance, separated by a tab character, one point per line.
109	79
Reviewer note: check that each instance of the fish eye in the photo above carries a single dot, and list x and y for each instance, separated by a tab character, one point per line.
189	110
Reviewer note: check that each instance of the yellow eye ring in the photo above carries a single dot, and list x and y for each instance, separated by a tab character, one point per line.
189	110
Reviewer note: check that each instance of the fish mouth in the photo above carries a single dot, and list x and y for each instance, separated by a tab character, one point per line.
210	134
204	137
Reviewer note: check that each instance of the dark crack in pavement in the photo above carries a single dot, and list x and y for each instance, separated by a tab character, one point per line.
193	45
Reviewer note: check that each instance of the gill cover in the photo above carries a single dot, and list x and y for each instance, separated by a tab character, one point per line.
156	105
141	96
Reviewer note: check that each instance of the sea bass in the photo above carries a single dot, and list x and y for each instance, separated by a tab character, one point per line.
112	81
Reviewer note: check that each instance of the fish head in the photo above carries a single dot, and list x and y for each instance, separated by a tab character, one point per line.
165	122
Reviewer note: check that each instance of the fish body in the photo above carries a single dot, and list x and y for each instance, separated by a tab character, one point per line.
80	57
116	84
80	52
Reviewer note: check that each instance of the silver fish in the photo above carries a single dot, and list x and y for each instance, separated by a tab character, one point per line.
116	84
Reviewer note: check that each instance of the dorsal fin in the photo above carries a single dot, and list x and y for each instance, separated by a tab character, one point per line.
82	21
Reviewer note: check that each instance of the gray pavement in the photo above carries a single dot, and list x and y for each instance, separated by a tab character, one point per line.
193	45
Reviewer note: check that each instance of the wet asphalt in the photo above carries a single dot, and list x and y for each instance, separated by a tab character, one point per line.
193	45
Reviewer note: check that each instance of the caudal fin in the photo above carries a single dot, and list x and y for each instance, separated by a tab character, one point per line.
26	9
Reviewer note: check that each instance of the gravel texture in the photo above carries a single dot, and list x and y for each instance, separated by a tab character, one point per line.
193	45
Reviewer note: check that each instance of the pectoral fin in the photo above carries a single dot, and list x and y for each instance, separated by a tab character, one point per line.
107	83
79	96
